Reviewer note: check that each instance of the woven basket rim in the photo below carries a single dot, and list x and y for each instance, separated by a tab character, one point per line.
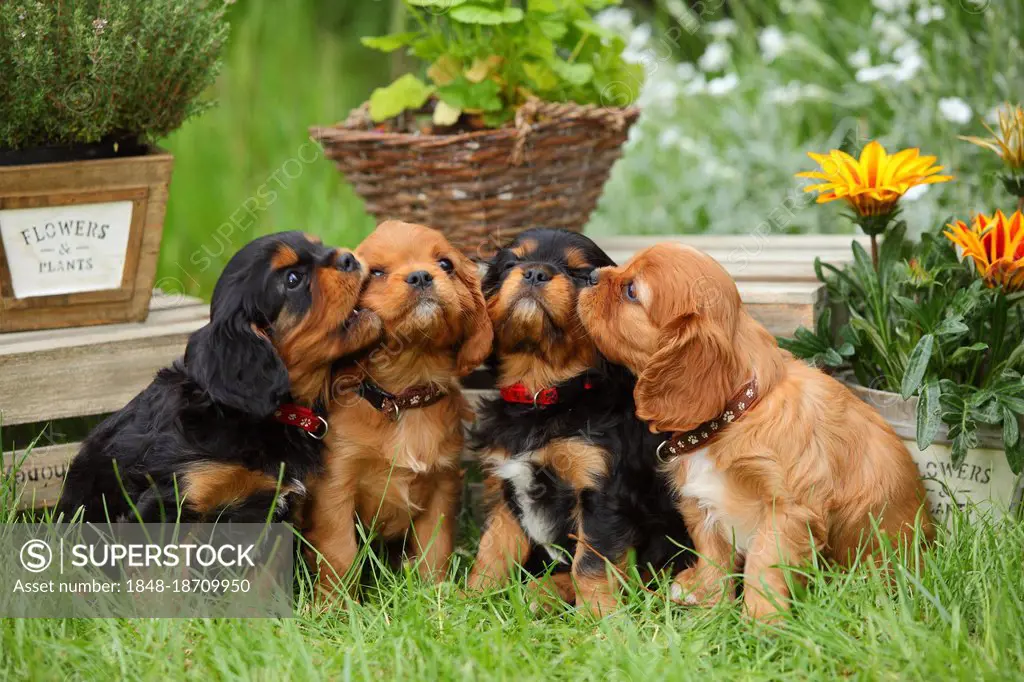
570	112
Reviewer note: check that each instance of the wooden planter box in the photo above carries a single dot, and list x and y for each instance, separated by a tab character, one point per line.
79	240
984	483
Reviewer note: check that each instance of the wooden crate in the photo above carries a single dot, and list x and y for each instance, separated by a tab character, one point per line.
55	374
141	180
81	372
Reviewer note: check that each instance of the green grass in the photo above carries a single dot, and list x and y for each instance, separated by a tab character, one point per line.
247	166
962	619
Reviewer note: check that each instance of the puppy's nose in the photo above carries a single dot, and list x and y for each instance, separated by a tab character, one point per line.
346	262
595	277
421	279
536	277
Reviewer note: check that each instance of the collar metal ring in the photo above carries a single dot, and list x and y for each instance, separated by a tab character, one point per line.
657	453
320	434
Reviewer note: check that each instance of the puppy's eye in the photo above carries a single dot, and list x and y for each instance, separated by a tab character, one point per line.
630	291
377	272
294	278
446	264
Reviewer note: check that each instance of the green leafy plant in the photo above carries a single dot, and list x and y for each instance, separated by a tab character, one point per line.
78	71
924	323
817	347
484	58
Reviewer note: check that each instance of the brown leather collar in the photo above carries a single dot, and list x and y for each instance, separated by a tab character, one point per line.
683	442
392	405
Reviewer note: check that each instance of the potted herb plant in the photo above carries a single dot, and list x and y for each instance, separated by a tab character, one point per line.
514	122
86	88
935	327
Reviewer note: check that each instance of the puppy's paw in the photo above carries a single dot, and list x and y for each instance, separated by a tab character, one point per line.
759	608
699	587
550	593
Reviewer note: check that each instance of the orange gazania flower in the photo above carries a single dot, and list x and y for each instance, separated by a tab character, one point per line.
874	183
1008	143
996	245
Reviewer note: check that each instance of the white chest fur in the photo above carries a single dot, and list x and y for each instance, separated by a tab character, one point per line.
707	485
537	521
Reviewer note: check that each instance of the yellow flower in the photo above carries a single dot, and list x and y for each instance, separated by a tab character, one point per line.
1008	143
873	184
996	245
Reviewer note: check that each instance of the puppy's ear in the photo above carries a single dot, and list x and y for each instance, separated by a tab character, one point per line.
476	343
236	364
689	380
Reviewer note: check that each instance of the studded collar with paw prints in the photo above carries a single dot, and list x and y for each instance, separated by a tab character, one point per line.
684	442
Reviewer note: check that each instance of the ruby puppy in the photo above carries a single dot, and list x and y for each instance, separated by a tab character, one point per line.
771	459
395	466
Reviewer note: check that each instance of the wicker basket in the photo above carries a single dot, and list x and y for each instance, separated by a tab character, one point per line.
483	187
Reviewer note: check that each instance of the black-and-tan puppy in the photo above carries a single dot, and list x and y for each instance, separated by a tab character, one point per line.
563	451
232	430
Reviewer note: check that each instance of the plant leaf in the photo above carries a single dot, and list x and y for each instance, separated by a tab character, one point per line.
542	76
959	447
891	248
929	414
444	70
797	348
389	43
462	94
482	68
445	114
593	28
577	74
823	326
961	354
1016	359
805	336
1015	457
544	6
831	358
475	14
408	92
496	119
952	326
1011	429
555	30
916	366
437	4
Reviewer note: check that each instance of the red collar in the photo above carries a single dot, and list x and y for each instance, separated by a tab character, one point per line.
545	397
303	418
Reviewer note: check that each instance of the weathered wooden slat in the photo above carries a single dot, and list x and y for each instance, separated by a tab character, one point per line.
78	372
39	475
813	244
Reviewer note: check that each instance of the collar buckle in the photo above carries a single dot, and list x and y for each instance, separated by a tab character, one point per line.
390	407
657	453
320	433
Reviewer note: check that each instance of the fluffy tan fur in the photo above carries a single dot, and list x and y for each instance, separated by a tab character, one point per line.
402	477
810	467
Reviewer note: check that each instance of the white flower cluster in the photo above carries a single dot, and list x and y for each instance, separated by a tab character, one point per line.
723	134
892	23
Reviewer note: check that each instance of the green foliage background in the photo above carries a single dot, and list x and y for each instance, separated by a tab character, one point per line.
699	160
75	71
